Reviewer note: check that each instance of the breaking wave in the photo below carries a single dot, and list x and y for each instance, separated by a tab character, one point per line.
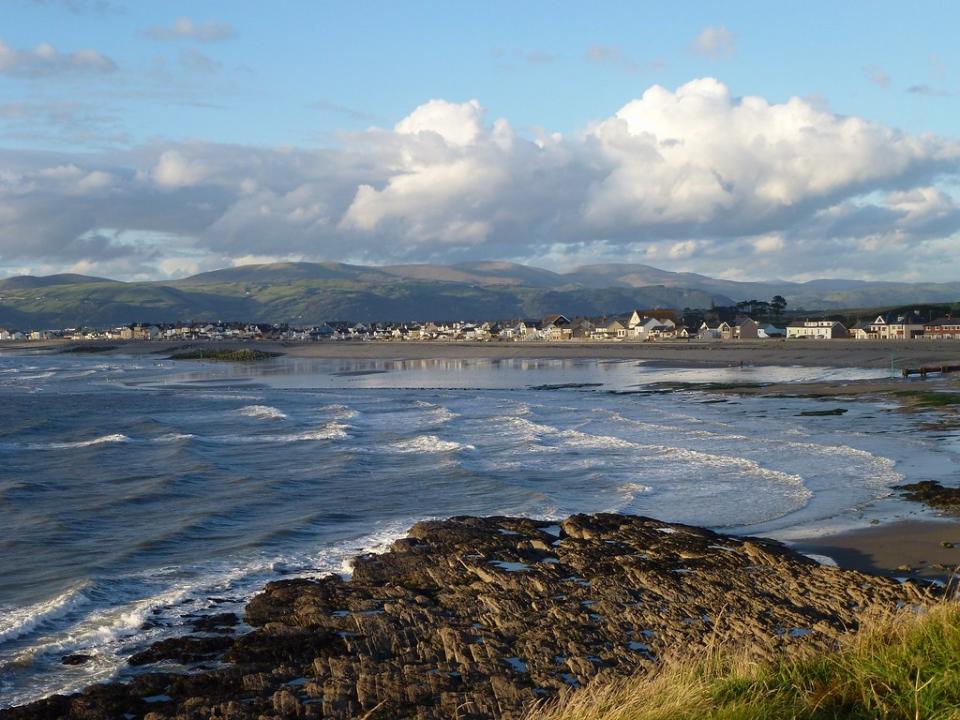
17	622
263	412
103	440
427	444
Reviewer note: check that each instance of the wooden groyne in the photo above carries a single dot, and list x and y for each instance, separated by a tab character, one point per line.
930	369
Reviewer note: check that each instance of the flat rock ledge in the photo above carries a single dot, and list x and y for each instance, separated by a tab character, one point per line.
482	617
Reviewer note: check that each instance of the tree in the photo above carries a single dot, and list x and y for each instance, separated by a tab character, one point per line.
778	304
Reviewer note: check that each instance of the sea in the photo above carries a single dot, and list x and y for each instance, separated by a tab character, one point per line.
137	493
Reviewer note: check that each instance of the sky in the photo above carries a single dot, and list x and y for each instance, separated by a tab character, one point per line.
745	140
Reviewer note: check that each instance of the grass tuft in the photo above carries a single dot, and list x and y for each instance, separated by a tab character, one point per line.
904	665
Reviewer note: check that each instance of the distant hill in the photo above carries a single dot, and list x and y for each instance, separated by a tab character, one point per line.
311	293
23	282
812	295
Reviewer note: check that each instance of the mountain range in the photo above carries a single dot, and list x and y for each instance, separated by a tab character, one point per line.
310	293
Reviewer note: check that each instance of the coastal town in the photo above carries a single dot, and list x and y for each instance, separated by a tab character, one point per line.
639	326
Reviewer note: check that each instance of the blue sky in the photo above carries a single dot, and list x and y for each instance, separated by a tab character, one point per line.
109	87
300	71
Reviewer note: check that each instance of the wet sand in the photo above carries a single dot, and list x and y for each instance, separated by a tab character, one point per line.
807	353
908	548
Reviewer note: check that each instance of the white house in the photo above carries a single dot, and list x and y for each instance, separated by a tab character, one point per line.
816	330
642	328
903	327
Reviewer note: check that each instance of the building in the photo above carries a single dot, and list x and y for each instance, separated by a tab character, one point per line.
745	328
816	330
767	332
863	331
945	328
901	327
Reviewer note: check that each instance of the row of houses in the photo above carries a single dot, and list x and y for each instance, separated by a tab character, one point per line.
909	326
637	326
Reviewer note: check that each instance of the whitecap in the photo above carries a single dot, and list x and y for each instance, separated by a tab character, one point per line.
17	622
103	440
427	444
339	412
263	412
633	489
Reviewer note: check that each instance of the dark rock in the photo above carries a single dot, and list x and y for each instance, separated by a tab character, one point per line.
933	494
76	659
475	618
823	413
219	623
183	650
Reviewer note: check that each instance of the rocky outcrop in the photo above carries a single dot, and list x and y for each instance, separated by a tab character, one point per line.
481	617
934	495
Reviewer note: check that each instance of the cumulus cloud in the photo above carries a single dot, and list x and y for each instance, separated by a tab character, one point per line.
45	60
693	178
716	41
185	28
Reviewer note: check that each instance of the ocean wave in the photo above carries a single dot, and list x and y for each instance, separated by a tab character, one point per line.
263	412
103	440
575	438
742	464
38	376
438	414
427	444
632	489
883	474
17	622
339	412
174	437
330	431
674	430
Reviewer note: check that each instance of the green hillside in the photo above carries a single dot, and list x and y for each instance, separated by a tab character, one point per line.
314	301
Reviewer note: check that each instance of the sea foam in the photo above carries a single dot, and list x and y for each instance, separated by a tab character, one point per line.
427	444
263	412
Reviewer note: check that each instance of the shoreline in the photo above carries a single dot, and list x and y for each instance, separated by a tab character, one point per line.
912	548
495	615
880	551
875	354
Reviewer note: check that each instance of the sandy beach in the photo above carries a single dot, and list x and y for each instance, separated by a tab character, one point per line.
808	353
921	549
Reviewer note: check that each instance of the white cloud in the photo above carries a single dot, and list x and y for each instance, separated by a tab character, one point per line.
773	243
174	170
185	28
716	41
694	177
458	124
45	60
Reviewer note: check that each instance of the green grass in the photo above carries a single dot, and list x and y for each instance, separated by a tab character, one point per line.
928	399
245	355
896	667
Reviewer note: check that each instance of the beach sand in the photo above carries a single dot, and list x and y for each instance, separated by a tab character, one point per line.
908	548
808	353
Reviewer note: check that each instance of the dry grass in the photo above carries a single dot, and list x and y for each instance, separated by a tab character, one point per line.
902	665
